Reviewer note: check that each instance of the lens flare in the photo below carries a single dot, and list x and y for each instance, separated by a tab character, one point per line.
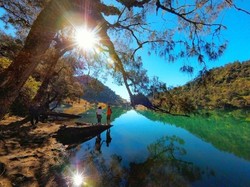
77	179
86	39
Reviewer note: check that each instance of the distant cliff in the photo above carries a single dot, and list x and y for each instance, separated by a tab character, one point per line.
223	87
95	91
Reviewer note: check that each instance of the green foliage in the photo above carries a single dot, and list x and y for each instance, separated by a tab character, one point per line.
32	85
20	105
9	46
190	34
95	91
4	63
63	84
224	87
227	130
27	93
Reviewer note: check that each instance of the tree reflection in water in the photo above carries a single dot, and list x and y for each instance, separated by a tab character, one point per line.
218	127
163	167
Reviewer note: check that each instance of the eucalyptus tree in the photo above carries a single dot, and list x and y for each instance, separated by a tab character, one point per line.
21	14
37	41
51	59
186	30
9	46
61	85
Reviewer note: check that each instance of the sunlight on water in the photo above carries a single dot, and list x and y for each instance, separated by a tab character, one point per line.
150	149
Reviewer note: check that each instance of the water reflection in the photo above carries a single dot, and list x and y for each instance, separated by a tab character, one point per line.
168	155
98	144
164	166
108	138
228	131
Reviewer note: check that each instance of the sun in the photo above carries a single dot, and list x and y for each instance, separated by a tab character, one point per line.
77	179
85	38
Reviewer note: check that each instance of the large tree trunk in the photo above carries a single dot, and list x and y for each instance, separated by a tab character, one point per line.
49	74
38	41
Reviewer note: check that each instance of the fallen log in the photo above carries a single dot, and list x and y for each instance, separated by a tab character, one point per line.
77	135
60	114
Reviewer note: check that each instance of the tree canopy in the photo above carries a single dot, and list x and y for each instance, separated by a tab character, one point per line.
188	30
225	87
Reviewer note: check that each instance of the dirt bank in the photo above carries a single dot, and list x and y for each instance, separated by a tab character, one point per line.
30	155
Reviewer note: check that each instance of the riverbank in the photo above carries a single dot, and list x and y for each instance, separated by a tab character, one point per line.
27	153
31	155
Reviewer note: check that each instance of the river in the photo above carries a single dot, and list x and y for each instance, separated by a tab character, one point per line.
151	149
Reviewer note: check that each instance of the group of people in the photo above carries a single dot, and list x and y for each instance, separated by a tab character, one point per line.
99	115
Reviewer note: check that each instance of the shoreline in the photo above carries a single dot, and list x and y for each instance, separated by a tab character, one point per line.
29	155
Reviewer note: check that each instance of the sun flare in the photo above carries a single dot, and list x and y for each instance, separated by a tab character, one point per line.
77	179
86	39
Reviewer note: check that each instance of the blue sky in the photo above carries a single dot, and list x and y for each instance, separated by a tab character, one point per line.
238	49
237	33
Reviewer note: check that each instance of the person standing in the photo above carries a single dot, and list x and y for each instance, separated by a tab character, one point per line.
99	115
109	112
34	114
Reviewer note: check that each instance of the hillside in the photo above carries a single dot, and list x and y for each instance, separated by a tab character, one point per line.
223	87
95	91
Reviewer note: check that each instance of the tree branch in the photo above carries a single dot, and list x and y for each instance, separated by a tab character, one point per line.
236	7
195	23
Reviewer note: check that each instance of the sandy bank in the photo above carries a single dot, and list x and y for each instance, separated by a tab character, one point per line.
31	155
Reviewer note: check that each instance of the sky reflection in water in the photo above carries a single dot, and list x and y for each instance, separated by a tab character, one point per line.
144	152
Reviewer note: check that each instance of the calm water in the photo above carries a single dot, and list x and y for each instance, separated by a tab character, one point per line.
149	149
